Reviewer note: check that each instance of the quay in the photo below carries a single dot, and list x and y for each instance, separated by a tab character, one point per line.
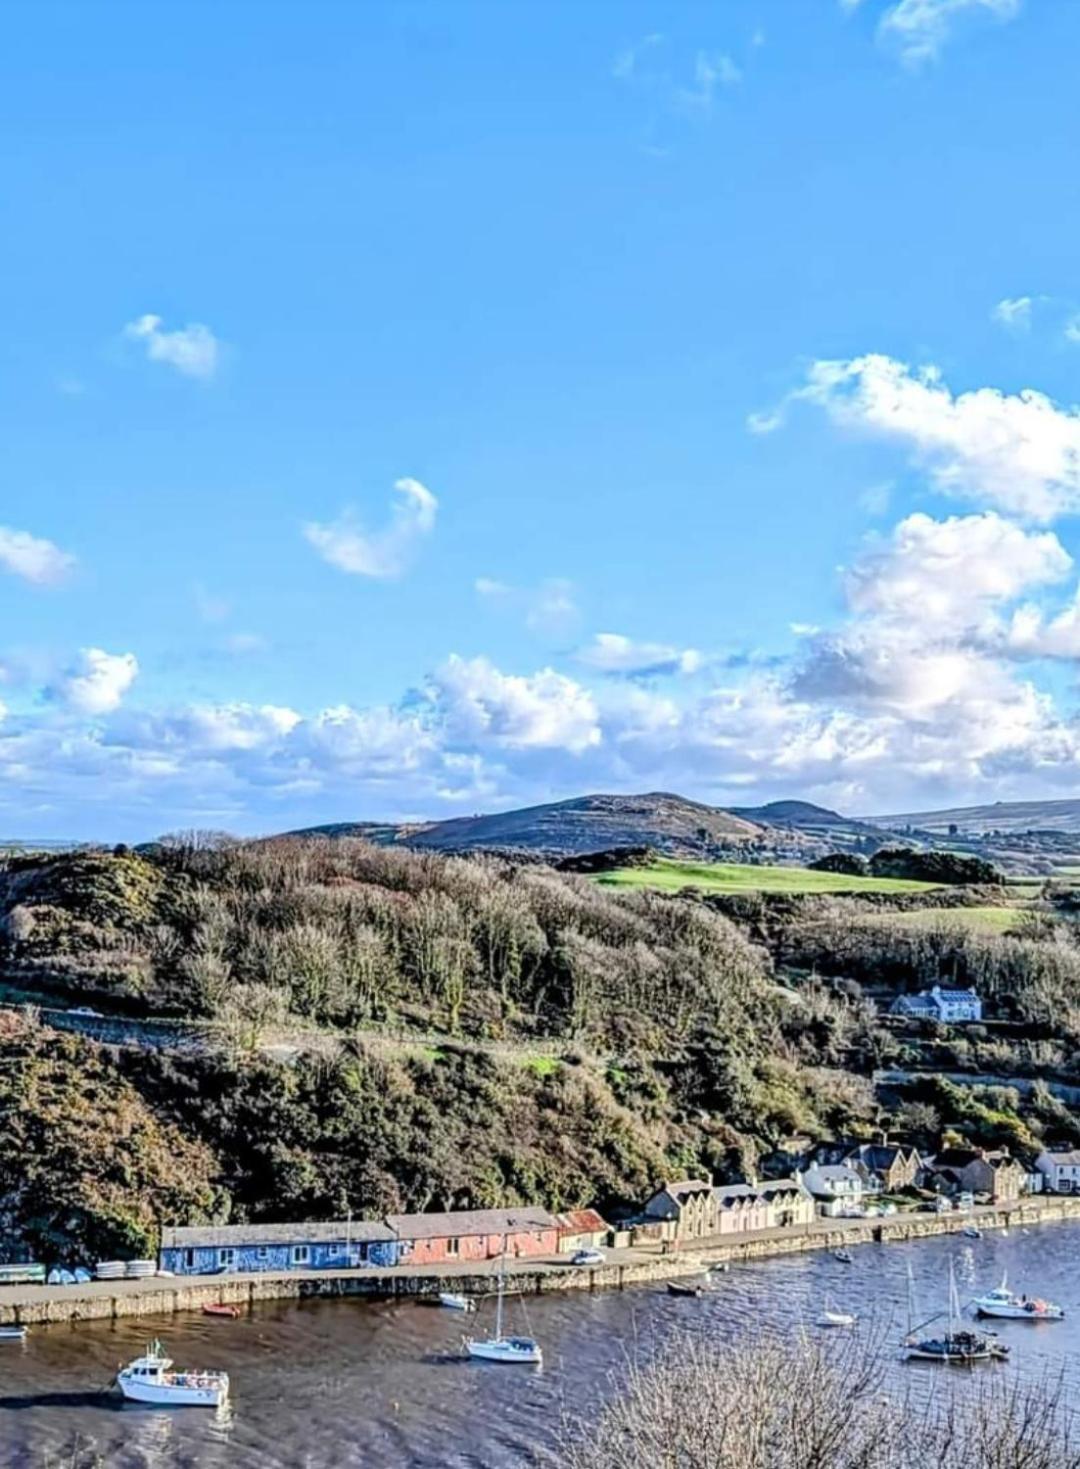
34	1305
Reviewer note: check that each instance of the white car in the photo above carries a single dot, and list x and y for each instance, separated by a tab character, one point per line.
589	1257
85	1010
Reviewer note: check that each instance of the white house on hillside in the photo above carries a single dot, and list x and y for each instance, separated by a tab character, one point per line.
1060	1171
950	1007
834	1185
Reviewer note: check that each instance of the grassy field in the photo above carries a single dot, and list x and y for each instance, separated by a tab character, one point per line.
734	877
979	920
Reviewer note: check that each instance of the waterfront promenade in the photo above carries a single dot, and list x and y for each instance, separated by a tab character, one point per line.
636	1265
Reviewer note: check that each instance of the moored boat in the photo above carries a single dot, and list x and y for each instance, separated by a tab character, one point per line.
150	1379
500	1348
837	1318
454	1302
1007	1305
681	1288
218	1308
844	1256
956	1346
12	1333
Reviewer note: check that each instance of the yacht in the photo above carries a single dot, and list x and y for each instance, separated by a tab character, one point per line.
150	1379
500	1348
956	1345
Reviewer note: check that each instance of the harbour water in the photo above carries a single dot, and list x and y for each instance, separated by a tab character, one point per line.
329	1384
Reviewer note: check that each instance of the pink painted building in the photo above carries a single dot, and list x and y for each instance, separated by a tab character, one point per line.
474	1234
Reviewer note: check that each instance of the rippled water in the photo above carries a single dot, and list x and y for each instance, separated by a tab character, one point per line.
345	1383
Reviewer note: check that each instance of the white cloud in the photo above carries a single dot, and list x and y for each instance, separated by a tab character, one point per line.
192	350
610	652
1014	313
712	69
921	28
625	66
33	558
383	554
544	709
1072	328
96	682
1020	452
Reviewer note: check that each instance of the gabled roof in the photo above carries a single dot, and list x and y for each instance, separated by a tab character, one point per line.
235	1236
458	1222
1065	1158
581	1221
685	1188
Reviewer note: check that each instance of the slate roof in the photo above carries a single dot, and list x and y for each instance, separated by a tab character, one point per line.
215	1236
460	1222
1065	1158
685	1188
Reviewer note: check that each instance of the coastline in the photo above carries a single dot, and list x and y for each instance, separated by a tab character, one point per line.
38	1305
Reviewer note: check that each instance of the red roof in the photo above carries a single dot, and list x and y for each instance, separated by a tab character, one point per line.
581	1221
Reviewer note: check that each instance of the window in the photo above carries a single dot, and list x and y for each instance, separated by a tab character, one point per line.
301	1254
262	1253
226	1258
453	1248
189	1259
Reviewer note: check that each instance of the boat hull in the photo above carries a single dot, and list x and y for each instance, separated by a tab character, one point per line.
503	1351
1019	1313
179	1395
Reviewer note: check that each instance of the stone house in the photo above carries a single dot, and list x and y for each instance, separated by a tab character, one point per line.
688	1203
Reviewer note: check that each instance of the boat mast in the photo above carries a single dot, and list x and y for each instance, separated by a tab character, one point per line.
499	1296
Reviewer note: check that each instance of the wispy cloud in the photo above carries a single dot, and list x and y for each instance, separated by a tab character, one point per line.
382	554
550	608
920	29
613	653
32	557
1014	313
192	350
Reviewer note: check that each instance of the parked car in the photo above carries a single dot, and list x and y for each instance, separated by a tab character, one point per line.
86	1011
588	1257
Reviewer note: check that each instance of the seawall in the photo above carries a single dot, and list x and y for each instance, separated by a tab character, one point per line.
107	1300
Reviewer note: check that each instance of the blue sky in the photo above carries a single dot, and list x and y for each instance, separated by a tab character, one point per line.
414	409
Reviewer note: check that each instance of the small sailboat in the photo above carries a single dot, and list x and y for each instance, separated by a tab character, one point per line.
830	1318
956	1346
13	1333
150	1379
1008	1305
500	1348
454	1302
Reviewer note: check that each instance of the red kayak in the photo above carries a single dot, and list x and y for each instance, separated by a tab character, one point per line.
232	1312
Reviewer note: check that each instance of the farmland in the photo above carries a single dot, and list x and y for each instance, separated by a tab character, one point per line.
733	877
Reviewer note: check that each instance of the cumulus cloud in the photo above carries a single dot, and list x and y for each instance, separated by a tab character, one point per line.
1019	452
612	653
96	682
920	29
544	709
192	350
33	558
383	554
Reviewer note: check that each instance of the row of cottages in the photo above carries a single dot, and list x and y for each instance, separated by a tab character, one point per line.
418	1239
948	1007
693	1208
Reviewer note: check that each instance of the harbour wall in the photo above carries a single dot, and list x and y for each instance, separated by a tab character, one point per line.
107	1300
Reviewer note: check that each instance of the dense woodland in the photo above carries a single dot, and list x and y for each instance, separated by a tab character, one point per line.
386	1030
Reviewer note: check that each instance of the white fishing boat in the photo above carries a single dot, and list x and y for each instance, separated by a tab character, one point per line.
500	1348
1009	1306
150	1379
454	1302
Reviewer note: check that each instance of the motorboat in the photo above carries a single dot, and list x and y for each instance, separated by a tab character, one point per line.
682	1288
500	1348
971	1231
218	1308
844	1256
454	1302
13	1333
150	1379
836	1318
1008	1305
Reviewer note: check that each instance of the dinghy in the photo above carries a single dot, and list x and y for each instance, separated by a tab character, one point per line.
454	1302
12	1333
217	1308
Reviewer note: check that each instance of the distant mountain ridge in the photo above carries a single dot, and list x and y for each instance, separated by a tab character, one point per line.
566	828
1007	816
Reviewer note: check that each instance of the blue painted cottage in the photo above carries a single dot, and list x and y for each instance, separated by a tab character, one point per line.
205	1249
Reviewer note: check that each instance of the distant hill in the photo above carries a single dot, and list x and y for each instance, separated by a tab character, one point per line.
791	813
585	824
1005	816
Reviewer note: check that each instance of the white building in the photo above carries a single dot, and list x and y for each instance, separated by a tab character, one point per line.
1060	1171
949	1007
836	1186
